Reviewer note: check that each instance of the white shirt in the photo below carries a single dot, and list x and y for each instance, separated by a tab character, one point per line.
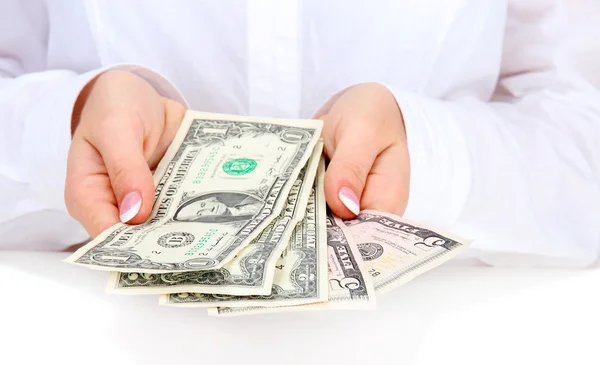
504	139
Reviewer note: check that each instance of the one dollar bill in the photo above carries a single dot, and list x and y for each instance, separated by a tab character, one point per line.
301	271
251	272
221	182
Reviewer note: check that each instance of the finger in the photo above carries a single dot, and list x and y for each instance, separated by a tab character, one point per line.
383	190
88	193
347	172
174	113
122	149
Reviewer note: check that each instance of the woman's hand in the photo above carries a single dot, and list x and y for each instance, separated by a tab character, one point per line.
366	143
121	129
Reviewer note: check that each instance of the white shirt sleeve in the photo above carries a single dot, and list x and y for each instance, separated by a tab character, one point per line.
35	113
518	174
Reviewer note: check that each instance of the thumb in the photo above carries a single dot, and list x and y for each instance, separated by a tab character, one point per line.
346	175
130	175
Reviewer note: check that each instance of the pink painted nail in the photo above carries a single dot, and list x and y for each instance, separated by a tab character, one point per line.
350	200
130	206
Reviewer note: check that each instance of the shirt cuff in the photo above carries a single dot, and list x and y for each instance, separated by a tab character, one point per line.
48	130
440	169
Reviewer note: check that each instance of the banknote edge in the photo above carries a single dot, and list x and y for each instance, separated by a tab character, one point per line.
415	271
442	232
315	307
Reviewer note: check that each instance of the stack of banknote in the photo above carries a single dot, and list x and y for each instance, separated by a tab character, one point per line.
240	226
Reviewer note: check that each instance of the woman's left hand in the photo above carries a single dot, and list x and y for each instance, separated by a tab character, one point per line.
366	143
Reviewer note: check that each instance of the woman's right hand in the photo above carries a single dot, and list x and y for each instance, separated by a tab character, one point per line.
121	129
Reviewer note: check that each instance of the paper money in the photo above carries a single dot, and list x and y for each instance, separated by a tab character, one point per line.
396	251
251	271
301	271
350	286
221	182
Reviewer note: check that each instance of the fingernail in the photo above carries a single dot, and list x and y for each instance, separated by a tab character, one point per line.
130	206
350	200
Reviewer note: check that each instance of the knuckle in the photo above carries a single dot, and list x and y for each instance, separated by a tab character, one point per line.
356	172
69	201
114	121
74	198
70	189
119	176
172	105
95	225
174	114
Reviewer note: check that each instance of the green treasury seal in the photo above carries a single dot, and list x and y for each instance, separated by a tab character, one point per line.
239	166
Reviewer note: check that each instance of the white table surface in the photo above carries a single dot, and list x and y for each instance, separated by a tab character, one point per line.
53	312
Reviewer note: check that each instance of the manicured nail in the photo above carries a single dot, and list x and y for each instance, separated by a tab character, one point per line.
350	200
130	206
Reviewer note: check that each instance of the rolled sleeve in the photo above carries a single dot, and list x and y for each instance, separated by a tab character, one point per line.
440	170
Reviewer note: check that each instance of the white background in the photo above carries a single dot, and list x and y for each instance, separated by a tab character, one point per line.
52	312
584	36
